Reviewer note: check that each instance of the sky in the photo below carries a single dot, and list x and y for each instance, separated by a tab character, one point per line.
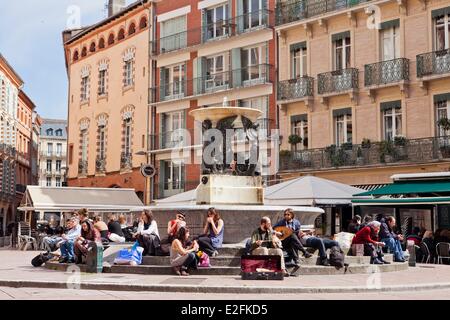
31	41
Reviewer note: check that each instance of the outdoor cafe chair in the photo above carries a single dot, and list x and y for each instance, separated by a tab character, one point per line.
426	254
442	251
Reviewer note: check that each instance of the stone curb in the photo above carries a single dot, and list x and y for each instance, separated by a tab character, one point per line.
217	289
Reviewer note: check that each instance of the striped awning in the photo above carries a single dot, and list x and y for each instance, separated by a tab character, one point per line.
370	187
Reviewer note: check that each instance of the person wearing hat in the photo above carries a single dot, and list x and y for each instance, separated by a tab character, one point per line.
174	225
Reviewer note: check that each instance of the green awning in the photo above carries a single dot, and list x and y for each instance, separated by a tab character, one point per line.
401	201
411	187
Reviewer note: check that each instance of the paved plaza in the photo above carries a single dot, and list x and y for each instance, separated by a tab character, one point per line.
19	280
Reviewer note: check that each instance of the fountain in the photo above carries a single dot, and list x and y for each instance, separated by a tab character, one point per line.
230	177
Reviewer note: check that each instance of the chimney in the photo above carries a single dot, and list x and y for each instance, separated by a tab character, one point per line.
115	6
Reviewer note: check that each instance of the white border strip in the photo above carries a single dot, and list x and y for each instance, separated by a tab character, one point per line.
209	3
174	14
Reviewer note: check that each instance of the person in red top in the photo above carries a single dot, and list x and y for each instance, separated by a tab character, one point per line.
174	225
368	236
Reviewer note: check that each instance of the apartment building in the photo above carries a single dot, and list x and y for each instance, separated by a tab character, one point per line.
53	153
108	115
205	52
364	88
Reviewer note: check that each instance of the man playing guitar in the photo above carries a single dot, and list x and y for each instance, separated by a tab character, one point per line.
290	240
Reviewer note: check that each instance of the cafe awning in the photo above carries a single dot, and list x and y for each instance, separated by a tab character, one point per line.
410	187
401	201
65	199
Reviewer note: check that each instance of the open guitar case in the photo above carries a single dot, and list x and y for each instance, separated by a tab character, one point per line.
250	264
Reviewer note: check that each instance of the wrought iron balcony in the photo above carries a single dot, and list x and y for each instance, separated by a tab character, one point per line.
100	165
214	31
296	88
290	11
126	161
83	167
385	72
433	63
375	154
210	83
337	81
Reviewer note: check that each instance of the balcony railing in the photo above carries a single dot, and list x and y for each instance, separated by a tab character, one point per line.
55	154
126	160
385	72
210	83
7	150
214	31
380	153
296	88
433	63
337	81
100	165
83	167
290	11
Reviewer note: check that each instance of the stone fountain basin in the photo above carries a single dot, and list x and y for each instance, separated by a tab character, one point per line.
215	114
240	220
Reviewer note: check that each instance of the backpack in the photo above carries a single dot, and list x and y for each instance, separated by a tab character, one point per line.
41	258
204	261
337	257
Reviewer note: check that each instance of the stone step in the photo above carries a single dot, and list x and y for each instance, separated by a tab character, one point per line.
166	270
235	261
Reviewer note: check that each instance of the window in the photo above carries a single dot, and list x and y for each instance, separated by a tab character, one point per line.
84	88
300	128
442	112
343	129
216	68
49	149
171	122
101	43
111	39
253	62
173	34
75	56
58	166
102	82
390	43
174	80
92	47
260	103
58	133
143	23
121	35
59	149
173	175
84	52
253	13
442	32
58	181
128	73
49	166
49	181
342	53
49	132
216	21
84	145
392	119
102	142
127	137
132	29
299	61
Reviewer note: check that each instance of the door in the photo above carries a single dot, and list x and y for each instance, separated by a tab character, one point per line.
390	49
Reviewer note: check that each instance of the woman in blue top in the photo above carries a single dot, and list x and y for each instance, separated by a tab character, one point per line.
212	237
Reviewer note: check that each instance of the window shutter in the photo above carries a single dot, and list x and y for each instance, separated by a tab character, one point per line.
162	83
237	67
342	112
440	12
239	15
391	105
161	173
204	26
340	36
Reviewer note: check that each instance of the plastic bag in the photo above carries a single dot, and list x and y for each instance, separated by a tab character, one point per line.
131	256
345	240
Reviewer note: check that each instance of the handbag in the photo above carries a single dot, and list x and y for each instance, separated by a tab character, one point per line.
132	256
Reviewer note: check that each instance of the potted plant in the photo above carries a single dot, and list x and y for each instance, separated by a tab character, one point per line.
294	140
386	151
444	146
359	157
285	159
400	143
366	143
335	155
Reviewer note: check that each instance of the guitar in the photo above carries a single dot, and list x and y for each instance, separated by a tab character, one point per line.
285	232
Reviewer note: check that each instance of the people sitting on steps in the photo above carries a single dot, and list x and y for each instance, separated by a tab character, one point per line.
52	243
212	237
292	243
88	235
368	236
309	240
175	224
102	227
182	253
69	238
264	242
391	239
115	230
147	233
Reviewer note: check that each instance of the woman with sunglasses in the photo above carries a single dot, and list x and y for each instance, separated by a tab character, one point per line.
212	237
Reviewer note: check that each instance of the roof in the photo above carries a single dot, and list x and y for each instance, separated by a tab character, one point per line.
84	31
54	124
401	201
66	199
304	191
411	187
11	70
310	191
